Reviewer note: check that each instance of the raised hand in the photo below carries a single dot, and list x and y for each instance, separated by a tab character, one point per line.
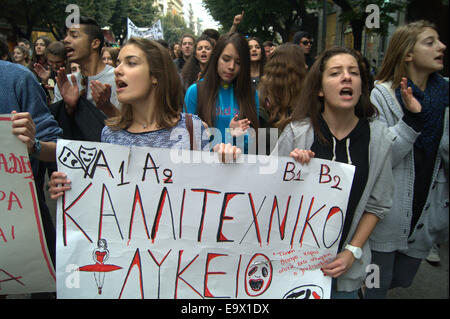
408	98
41	72
69	92
101	93
238	127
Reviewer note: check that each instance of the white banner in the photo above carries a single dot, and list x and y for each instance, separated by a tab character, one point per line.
154	32
25	264
140	223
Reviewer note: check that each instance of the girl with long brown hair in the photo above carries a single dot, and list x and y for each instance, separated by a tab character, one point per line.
280	87
195	67
335	120
225	99
150	93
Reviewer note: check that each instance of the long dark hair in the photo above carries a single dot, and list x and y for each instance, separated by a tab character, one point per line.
311	105
208	89
263	60
191	69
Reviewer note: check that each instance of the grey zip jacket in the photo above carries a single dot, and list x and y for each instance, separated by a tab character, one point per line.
377	195
392	233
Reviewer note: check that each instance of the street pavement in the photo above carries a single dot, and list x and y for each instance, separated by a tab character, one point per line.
431	282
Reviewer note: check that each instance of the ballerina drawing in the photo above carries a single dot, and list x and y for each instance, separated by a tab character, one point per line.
100	255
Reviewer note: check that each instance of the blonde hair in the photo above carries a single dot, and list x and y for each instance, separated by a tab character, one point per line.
402	43
168	90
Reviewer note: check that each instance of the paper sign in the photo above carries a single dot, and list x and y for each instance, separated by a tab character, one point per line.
154	32
145	223
25	264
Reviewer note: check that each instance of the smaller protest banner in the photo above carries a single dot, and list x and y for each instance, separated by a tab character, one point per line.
154	32
25	264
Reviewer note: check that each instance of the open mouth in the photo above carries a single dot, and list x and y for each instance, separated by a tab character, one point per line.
69	51
440	59
346	92
120	84
256	284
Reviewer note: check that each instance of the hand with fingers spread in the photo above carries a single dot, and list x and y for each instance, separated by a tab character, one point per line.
69	92
238	127
42	72
58	184
101	93
302	156
408	98
24	128
227	153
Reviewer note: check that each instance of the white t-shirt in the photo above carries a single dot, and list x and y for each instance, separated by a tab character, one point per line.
105	77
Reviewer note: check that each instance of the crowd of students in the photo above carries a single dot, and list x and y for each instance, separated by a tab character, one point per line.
233	90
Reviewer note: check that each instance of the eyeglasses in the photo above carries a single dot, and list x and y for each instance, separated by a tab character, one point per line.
84	83
306	42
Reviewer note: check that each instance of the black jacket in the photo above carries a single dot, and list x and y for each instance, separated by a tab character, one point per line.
85	124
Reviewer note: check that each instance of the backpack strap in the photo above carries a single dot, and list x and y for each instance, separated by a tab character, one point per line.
190	127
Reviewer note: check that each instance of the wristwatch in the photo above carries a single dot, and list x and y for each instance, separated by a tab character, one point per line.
356	251
36	148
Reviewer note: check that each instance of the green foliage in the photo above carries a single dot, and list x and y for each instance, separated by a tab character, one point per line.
354	10
52	15
174	27
262	18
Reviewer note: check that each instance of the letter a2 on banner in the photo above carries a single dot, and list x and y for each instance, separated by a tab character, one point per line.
139	224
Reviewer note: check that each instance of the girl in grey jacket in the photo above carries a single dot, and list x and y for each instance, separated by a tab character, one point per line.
416	110
334	120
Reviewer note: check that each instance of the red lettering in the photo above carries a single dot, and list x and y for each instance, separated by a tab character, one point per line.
2	235
296	221
308	218
162	200
205	200
137	199
281	225
210	257
159	268
65	215
328	243
226	199
11	277
255	218
3	162
113	214
179	273
135	262
182	211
